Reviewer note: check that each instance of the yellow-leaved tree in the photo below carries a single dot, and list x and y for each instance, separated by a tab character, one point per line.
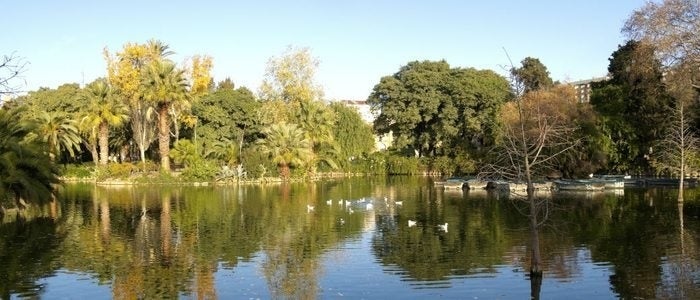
291	95
156	90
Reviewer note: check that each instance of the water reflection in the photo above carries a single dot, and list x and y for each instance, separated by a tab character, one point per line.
170	242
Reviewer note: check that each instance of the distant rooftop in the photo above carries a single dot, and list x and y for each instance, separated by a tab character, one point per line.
583	88
587	81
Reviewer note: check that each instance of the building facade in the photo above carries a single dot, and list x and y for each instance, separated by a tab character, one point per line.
381	142
583	88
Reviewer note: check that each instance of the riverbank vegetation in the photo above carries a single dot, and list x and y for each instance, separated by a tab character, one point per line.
153	120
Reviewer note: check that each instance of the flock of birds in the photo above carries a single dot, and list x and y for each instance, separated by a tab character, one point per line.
368	205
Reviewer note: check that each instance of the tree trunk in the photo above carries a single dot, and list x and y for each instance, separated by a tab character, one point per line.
93	151
535	270
284	171
165	228
535	286
682	148
105	220
124	153
164	137
104	143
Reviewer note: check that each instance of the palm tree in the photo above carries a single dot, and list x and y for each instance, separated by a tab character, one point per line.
59	132
225	150
163	84
317	120
103	111
287	145
26	170
184	152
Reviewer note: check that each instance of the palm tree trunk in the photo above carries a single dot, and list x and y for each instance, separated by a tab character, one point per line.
165	227
104	143
164	137
93	151
284	171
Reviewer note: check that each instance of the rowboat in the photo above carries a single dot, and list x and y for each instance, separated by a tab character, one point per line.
580	185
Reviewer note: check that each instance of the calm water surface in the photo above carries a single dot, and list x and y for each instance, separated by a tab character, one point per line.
300	241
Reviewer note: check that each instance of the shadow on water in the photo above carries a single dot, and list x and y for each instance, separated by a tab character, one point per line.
357	238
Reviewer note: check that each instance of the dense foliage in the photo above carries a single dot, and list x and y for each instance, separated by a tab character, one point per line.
435	118
434	110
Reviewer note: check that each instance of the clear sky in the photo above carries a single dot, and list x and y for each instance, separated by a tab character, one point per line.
357	42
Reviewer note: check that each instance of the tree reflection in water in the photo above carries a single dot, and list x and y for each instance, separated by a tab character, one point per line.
169	242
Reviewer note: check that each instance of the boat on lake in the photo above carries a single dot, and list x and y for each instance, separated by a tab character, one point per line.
580	185
450	183
476	184
454	183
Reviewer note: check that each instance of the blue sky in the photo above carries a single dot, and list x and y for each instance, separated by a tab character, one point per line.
357	42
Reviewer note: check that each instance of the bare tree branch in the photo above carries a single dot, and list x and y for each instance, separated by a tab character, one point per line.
11	69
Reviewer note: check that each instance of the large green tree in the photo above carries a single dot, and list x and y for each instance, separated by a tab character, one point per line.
226	116
62	99
287	145
26	170
103	111
59	131
164	84
634	106
354	136
533	74
430	107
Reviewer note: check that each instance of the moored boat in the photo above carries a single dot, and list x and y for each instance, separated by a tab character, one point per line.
454	183
579	185
476	184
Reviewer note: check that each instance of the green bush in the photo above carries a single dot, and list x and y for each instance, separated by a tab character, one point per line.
156	177
257	164
375	163
80	171
399	165
115	171
148	166
184	152
200	170
464	164
443	165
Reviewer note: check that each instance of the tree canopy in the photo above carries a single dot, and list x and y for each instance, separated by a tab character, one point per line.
533	74
290	77
633	104
429	106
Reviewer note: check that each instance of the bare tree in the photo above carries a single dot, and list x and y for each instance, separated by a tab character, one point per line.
679	145
673	28
534	136
11	69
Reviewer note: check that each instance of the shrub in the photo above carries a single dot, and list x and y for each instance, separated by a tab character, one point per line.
257	163
200	170
443	165
80	171
148	166
399	165
464	164
115	171
184	152
375	163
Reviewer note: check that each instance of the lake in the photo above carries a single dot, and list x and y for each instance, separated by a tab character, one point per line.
360	238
